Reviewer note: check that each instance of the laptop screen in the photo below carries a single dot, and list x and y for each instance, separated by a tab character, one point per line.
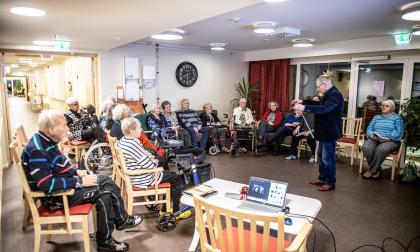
267	192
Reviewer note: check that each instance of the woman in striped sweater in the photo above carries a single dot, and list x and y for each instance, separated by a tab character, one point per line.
136	157
383	135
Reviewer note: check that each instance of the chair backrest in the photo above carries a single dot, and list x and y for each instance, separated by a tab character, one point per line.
352	127
21	135
229	229
17	150
368	114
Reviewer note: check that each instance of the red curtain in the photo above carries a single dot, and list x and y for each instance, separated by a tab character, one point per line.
271	78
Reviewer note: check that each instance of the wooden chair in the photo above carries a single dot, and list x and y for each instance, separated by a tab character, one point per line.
394	155
352	128
304	145
21	136
112	141
131	192
217	223
75	147
42	216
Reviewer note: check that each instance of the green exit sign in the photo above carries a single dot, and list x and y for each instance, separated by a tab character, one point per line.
402	38
62	45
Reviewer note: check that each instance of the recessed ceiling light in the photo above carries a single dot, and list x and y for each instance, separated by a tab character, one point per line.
14	65
43	42
411	13
25	60
217	46
174	34
303	42
416	30
26	11
264	27
33	64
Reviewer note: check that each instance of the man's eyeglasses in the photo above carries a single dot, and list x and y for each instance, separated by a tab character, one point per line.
318	87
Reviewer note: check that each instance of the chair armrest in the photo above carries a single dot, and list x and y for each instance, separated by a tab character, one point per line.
143	171
42	194
300	238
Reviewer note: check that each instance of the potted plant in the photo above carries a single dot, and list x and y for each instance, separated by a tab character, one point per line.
245	90
411	115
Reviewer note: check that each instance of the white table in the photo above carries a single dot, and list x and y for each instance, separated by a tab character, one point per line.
297	204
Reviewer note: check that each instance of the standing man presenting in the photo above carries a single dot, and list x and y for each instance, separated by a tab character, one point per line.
328	110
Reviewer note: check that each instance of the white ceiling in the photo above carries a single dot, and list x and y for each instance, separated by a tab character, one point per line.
95	24
322	20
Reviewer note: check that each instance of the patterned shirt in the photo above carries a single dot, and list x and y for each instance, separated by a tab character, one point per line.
391	127
46	168
136	159
74	122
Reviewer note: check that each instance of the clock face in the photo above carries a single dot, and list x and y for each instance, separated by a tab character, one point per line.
186	74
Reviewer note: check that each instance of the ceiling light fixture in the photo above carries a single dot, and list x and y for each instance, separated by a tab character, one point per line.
264	27
416	30
14	65
303	42
217	46
174	34
26	11
33	64
411	13
43	42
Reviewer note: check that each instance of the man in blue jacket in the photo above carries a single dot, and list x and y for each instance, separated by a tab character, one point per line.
328	110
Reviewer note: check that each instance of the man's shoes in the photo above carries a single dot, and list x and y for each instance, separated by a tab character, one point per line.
275	151
326	187
130	222
317	182
312	159
242	150
367	175
291	157
376	175
112	245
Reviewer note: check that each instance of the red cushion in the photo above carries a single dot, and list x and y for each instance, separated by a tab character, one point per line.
395	152
162	185
247	237
76	143
347	140
75	210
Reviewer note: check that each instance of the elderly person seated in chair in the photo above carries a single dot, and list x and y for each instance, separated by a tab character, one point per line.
159	125
383	135
136	158
83	126
171	117
270	121
190	121
121	112
242	116
48	170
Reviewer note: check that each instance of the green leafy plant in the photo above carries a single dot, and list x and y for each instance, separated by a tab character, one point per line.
411	115
245	90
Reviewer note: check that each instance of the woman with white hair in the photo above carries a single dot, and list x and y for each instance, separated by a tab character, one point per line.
158	123
383	135
136	158
119	113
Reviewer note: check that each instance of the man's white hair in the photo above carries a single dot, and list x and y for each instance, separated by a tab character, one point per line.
243	100
71	100
129	124
120	111
48	118
324	79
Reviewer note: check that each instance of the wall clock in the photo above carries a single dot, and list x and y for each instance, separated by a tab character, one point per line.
186	74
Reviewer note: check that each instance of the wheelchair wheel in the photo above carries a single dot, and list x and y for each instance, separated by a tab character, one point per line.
232	150
213	150
98	159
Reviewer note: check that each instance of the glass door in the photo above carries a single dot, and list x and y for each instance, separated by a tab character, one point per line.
377	83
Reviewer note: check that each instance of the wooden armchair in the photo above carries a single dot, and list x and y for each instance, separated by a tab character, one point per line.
394	155
75	147
352	128
131	192
224	236
21	136
42	216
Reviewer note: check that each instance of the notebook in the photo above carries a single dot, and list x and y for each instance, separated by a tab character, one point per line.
265	195
201	190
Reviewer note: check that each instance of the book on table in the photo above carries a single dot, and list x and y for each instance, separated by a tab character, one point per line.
201	190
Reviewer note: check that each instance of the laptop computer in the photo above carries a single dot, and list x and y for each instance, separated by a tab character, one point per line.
265	195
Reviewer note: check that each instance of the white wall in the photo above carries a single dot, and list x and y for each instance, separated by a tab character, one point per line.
217	74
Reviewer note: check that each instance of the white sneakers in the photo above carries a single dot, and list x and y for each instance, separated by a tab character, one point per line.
293	157
242	150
